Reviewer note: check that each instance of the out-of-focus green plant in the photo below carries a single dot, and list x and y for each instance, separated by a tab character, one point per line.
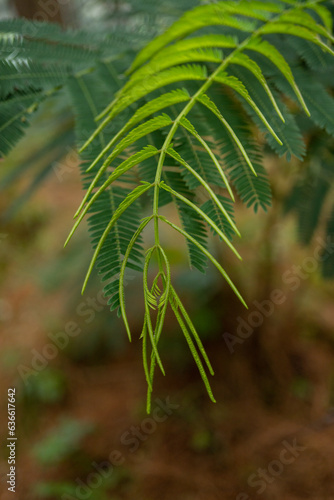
61	442
64	490
48	389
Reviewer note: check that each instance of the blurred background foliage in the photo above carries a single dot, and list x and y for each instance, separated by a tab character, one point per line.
72	412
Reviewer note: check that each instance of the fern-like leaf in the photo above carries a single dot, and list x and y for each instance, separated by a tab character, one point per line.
180	162
15	113
88	103
20	75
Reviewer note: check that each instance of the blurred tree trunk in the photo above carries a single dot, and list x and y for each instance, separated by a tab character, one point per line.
40	10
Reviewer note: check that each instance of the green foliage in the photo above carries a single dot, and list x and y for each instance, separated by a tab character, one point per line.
67	491
36	60
180	129
49	389
87	103
15	111
62	442
311	195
